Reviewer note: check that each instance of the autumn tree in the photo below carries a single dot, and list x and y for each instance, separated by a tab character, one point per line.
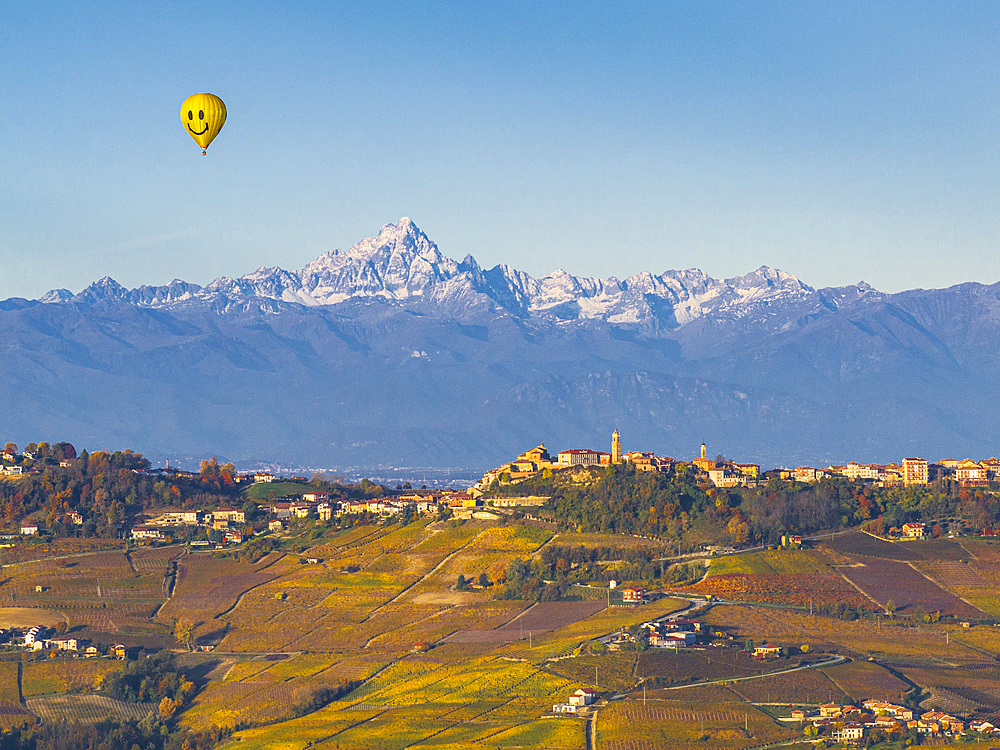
184	632
167	708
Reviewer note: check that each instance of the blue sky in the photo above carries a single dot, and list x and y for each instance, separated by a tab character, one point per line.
837	141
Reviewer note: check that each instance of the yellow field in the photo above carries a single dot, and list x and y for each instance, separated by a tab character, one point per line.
377	622
677	724
887	640
418	701
8	682
771	562
54	676
604	540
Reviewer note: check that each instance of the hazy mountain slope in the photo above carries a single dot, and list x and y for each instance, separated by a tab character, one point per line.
391	353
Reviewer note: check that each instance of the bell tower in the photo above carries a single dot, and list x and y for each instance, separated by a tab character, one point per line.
616	448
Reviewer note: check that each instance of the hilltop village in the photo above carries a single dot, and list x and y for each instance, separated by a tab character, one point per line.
214	508
722	472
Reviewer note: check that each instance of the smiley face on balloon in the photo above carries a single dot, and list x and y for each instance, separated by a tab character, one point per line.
203	115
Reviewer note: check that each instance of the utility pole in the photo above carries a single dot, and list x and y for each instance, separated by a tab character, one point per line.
595	677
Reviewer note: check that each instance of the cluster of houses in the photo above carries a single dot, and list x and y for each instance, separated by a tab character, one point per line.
664	634
850	724
229	521
41	638
723	473
459	504
233	523
911	471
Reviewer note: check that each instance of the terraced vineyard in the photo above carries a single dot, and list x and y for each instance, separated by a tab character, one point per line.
778	576
87	709
666	726
13	714
889	580
863	680
375	630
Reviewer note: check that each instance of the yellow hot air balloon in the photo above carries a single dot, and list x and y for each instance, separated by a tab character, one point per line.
203	115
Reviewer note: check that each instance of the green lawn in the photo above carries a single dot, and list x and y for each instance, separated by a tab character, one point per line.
260	490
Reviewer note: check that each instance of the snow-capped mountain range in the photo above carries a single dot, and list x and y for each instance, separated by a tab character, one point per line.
402	265
393	353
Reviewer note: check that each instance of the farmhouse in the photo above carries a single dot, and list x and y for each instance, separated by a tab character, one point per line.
881	708
176	518
63	644
766	650
487	515
678	639
34	634
633	596
30	530
913	530
147	532
851	732
579	699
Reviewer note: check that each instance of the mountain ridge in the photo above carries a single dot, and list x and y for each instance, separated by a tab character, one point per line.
402	264
391	353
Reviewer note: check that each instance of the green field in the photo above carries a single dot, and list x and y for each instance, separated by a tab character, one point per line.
770	562
261	490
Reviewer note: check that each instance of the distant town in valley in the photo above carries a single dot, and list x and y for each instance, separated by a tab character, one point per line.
605	600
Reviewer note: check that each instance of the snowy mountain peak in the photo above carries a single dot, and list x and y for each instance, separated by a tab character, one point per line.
770	278
402	265
103	289
56	295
